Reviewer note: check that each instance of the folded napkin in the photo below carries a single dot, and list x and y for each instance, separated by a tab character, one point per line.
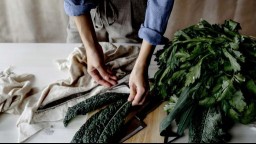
14	89
55	99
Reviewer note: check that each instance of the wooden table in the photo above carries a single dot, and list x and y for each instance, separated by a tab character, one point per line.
38	59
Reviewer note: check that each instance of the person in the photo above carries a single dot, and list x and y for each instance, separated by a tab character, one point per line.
123	21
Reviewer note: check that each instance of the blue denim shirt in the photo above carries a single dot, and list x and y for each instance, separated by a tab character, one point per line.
155	23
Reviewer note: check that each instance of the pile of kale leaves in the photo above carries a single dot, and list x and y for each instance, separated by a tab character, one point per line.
104	126
208	75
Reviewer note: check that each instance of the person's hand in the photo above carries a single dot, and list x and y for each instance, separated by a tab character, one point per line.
139	86
95	58
96	67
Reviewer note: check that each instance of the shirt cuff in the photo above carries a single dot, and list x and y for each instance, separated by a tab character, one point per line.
77	10
153	37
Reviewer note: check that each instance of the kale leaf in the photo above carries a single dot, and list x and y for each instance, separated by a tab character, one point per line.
92	104
104	125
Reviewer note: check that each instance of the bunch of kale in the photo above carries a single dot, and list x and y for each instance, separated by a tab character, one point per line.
208	74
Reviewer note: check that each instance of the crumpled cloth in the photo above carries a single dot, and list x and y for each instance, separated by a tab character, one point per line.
55	98
14	89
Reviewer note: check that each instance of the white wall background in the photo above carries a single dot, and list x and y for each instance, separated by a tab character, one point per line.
32	21
44	21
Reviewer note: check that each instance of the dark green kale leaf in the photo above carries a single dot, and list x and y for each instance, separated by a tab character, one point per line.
208	126
104	125
92	104
182	105
184	120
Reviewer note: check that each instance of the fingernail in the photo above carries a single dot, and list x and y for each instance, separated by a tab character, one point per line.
134	104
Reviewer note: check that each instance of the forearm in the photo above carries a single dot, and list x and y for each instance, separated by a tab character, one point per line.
138	82
86	30
145	55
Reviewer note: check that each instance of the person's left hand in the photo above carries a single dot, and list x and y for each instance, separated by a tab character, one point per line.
139	86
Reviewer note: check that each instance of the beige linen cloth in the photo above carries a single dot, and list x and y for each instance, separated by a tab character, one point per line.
37	115
14	89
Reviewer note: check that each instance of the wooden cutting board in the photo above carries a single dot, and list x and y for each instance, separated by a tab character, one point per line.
150	134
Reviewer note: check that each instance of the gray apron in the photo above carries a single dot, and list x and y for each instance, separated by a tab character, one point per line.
115	21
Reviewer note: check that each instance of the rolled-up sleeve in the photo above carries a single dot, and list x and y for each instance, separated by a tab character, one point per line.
78	7
156	19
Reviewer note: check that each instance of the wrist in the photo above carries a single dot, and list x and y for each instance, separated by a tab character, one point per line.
92	47
140	71
145	55
140	66
87	33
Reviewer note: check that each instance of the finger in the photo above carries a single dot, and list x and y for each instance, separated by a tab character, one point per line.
109	80
132	93
145	96
106	76
139	97
111	74
104	83
95	75
143	100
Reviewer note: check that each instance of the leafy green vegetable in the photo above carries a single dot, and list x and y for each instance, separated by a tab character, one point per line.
180	106
233	62
208	127
207	66
92	104
104	125
185	119
172	102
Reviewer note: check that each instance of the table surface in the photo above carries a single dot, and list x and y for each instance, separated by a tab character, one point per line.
39	59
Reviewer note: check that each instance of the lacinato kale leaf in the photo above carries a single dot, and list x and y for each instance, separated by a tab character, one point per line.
182	104
104	125
92	104
208	126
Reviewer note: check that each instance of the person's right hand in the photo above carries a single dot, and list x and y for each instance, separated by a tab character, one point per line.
97	69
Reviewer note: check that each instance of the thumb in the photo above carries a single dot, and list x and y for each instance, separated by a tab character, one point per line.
132	93
105	75
139	97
